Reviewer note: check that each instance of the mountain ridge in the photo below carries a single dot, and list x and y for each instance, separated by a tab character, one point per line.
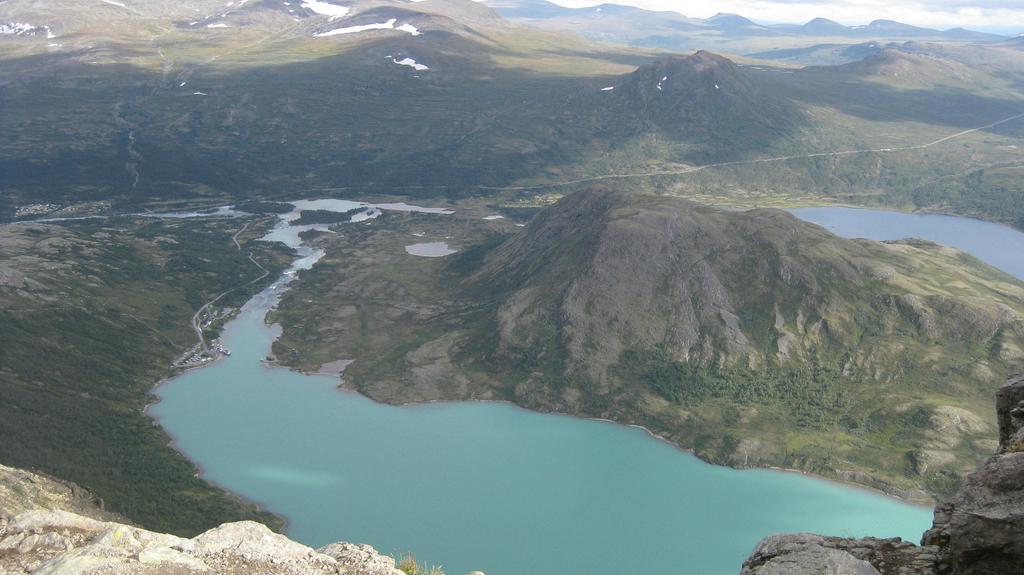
445	98
752	338
704	100
733	23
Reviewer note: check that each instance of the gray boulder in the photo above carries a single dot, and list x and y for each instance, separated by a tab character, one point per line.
981	530
808	554
803	553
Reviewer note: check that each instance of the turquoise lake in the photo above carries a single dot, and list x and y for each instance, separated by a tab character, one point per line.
492	487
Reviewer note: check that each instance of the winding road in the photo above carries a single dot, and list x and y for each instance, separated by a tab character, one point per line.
693	169
195	317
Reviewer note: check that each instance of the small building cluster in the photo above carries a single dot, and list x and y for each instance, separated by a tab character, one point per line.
35	210
196	356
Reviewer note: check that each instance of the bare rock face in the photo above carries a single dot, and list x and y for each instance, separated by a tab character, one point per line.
1010	410
783	554
361	559
64	543
807	554
22	490
51	527
979	532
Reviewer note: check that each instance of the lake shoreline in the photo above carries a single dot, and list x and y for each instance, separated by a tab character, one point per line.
929	504
298	526
343	388
346	388
284	521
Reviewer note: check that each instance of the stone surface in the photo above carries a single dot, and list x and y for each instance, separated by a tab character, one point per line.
786	554
808	554
62	543
362	559
22	490
249	540
50	527
978	532
1010	410
981	530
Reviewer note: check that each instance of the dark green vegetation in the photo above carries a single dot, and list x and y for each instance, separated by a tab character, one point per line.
150	107
258	207
751	337
307	217
93	313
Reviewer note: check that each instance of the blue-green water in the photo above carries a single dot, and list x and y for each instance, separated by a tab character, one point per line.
483	485
998	245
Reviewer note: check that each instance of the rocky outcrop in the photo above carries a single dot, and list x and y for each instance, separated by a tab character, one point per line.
51	527
979	532
807	553
1010	411
59	542
22	490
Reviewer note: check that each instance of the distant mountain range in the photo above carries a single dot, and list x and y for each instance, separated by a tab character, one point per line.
883	28
639	27
449	95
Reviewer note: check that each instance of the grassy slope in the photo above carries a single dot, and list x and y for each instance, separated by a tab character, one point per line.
93	314
882	401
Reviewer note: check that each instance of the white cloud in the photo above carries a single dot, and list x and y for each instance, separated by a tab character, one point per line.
1003	14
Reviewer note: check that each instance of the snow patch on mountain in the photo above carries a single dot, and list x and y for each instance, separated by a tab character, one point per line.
410	63
24	29
389	25
410	29
326	8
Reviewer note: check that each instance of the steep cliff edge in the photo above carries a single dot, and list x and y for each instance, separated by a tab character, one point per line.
49	527
981	530
978	532
59	542
22	491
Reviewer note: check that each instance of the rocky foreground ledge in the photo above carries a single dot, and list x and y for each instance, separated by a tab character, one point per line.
979	532
49	527
63	543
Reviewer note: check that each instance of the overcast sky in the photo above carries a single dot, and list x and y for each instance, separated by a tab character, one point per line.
1005	15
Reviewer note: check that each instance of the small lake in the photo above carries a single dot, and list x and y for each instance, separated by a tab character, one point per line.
998	245
430	250
492	487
